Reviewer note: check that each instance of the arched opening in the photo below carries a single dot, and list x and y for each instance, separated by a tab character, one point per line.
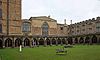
87	40
48	41
99	40
53	41
1	43
8	42
41	42
69	40
18	42
81	40
63	41
94	39
26	42
76	40
35	41
45	28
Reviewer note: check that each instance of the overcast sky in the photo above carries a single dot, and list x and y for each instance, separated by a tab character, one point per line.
76	10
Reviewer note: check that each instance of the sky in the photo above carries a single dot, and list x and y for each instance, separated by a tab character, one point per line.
75	10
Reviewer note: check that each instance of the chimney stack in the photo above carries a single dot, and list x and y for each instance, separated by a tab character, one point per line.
64	21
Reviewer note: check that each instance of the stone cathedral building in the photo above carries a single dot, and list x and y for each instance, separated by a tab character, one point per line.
42	30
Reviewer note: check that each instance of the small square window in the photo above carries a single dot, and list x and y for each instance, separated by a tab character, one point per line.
61	28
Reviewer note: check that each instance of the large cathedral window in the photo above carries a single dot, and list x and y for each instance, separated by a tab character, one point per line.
45	28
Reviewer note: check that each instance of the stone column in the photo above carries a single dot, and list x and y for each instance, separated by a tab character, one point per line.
98	37
66	41
50	41
90	40
13	42
3	42
56	41
78	40
84	40
23	42
31	42
38	41
61	41
73	41
45	41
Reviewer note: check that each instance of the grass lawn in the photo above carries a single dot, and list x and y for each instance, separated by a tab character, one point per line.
78	52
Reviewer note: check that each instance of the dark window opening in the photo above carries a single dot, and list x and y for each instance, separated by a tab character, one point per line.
77	30
83	25
90	28
77	26
83	29
61	28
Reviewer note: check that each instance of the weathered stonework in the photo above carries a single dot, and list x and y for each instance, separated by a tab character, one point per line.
43	30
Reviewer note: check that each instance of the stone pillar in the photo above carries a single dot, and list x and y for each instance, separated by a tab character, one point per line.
56	41
50	41
73	41
90	40
13	42
31	42
98	37
45	41
23	42
38	41
3	42
78	40
61	41
66	42
84	40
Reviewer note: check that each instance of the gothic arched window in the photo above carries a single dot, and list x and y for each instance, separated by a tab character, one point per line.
45	28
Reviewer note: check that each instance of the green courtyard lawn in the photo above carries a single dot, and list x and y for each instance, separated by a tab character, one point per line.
78	52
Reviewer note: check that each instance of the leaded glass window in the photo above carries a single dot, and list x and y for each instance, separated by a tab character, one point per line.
26	27
45	29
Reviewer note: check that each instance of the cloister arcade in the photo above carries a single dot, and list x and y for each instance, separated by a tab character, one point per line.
31	41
